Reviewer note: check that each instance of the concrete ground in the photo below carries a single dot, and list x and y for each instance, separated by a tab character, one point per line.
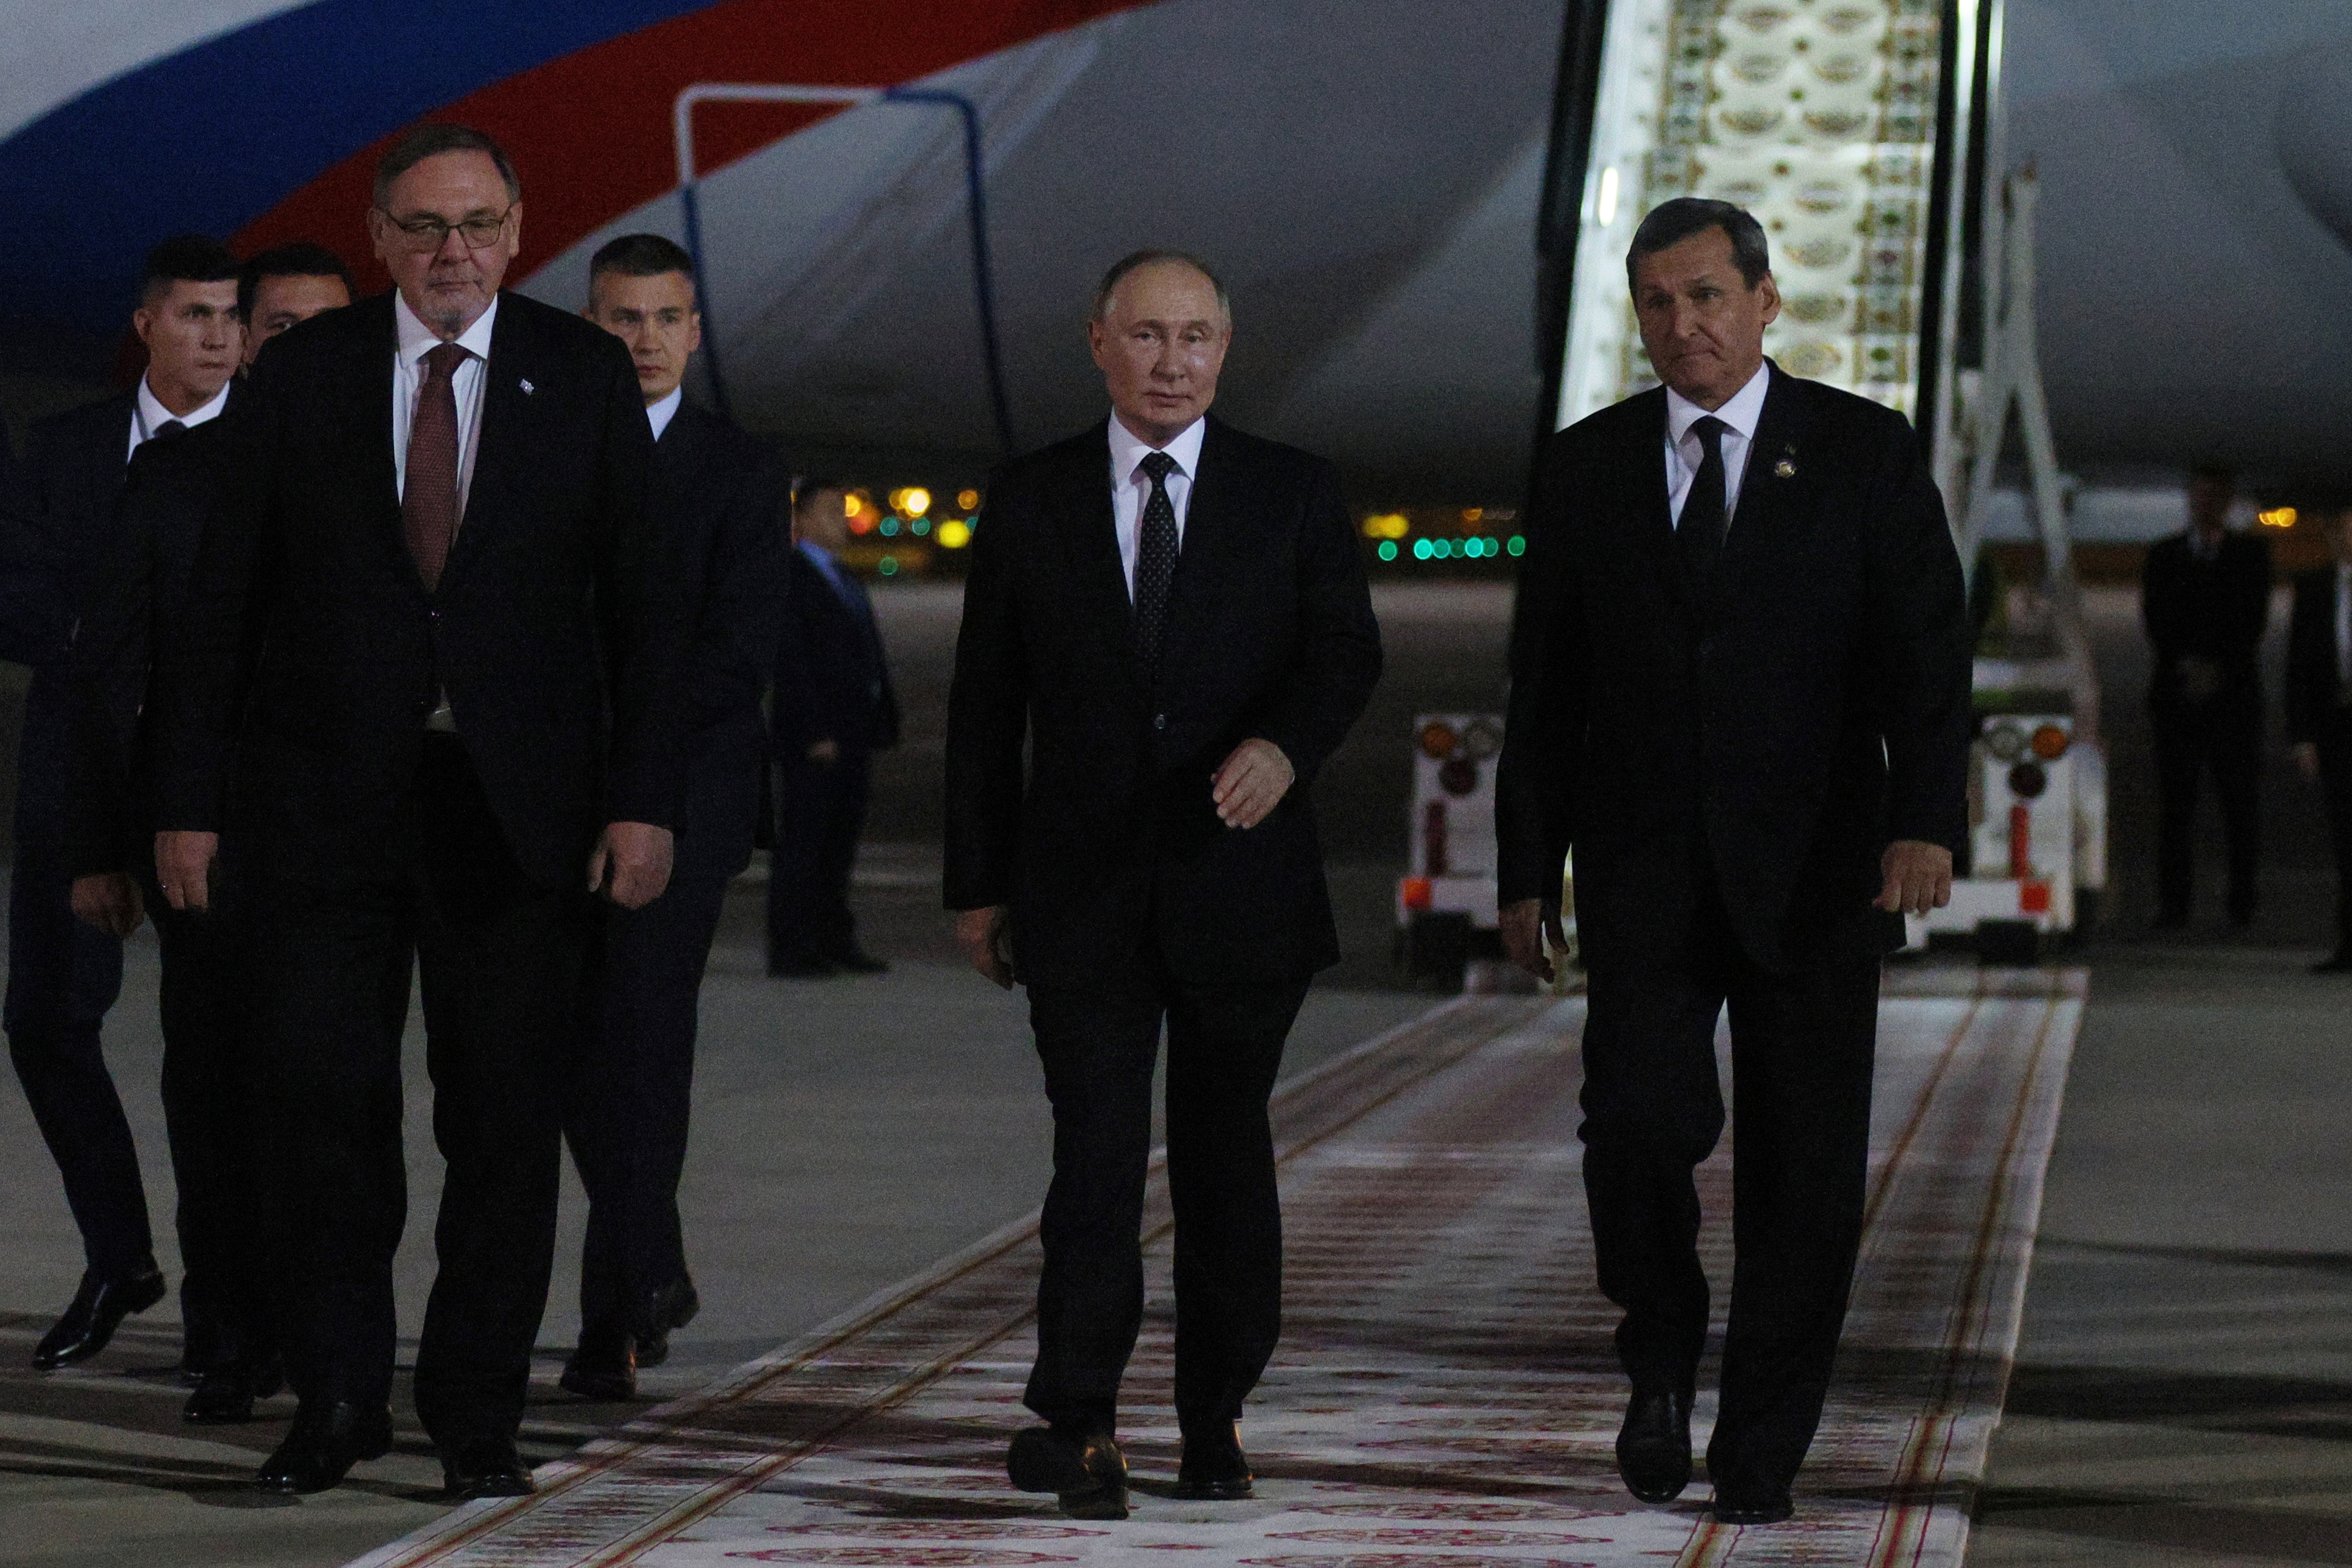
2184	1393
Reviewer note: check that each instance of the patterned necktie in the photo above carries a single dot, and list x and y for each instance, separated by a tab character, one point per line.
1155	559
428	500
1701	528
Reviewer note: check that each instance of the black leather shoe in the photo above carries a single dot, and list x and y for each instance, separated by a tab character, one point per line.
1653	1446
324	1443
1088	1474
484	1467
225	1395
1759	1509
858	961
604	1366
97	1308
1215	1468
667	1307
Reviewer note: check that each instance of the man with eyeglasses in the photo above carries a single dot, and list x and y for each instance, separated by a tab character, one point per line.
417	716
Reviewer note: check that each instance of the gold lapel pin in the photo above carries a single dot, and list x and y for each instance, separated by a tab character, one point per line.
1785	469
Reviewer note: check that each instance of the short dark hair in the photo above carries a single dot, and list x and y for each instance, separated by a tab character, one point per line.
1135	259
296	258
640	256
185	258
432	140
1672	222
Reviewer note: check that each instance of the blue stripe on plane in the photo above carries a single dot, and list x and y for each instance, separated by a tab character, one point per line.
211	138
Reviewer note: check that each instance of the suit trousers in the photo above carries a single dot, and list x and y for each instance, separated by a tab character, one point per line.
1100	1042
208	1116
625	1115
2224	734
820	812
2335	741
63	976
1801	1049
500	963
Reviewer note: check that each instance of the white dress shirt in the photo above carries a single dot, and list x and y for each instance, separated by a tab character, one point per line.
661	410
1685	453
1131	487
416	340
149	415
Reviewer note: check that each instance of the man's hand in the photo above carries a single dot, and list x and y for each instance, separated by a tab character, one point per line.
826	751
1918	877
1526	926
108	900
1252	782
986	937
631	863
2306	758
183	867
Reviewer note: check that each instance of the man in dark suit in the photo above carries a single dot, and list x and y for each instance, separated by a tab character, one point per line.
718	504
2319	708
422	705
2205	597
1740	693
132	607
286	285
832	708
63	974
1171	616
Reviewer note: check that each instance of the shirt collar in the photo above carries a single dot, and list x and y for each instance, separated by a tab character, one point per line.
1742	411
1127	450
417	340
658	413
152	413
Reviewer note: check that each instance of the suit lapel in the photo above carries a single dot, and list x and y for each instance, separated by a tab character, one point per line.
1650	512
1770	480
371	425
1090	541
1211	522
505	416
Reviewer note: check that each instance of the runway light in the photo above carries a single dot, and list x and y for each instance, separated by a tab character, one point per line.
954	535
887	566
851	504
1387	526
889	526
1519	544
916	500
1387	551
966	500
1473	514
1420	549
2276	518
921	526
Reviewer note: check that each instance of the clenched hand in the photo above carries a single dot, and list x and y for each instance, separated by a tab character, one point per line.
1918	877
1252	782
631	863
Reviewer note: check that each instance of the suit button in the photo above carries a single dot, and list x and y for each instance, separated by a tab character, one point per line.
1160	721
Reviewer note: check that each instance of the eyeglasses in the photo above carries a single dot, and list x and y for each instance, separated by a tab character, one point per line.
428	233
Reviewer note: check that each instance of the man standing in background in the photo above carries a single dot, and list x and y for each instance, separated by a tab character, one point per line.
834	707
2319	708
2205	597
718	505
286	285
64	973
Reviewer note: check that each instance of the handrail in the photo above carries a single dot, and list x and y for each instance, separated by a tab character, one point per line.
975	201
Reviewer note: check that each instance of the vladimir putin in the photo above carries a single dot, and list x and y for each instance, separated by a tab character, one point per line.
422	708
1740	693
1165	630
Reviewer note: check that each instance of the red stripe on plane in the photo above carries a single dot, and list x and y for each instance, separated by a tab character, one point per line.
589	131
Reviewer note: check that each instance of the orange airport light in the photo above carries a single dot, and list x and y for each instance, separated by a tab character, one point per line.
2276	518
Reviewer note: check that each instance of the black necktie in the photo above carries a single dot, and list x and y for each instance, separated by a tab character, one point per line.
1155	559
1701	524
168	429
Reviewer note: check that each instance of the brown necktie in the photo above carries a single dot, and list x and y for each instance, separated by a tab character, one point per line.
428	500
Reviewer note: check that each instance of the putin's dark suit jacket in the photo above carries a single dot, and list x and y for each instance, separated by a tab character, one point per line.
719	500
1782	726
1108	842
557	629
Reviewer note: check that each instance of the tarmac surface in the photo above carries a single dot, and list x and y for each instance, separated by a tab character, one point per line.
2184	1388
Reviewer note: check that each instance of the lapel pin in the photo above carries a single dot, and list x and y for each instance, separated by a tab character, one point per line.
527	388
1785	469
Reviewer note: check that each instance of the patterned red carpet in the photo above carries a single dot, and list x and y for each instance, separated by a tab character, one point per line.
1444	1395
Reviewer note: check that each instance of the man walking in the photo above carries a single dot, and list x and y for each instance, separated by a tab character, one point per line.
2319	708
834	707
718	504
1740	693
386	742
2205	597
1171	617
64	974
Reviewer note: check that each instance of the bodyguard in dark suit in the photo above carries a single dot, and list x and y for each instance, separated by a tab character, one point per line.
831	709
718	506
1173	617
423	703
133	607
2319	708
64	974
1740	693
2205	597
